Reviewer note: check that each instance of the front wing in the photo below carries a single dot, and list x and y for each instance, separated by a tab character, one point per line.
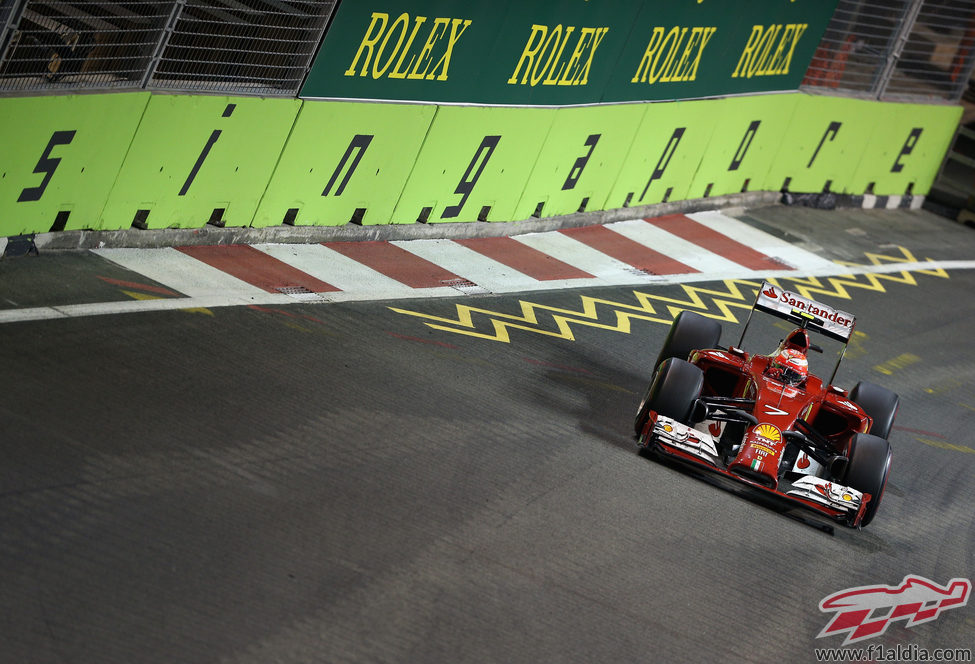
678	441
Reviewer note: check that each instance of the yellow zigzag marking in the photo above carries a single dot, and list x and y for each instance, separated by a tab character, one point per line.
717	304
589	315
813	287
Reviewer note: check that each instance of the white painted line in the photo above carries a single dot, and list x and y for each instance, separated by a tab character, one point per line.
893	202
180	272
137	306
763	242
467	263
35	313
869	201
338	270
917	202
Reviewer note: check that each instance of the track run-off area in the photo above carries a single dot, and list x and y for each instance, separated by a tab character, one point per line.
422	451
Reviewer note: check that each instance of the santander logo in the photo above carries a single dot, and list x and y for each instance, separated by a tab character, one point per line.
770	292
866	611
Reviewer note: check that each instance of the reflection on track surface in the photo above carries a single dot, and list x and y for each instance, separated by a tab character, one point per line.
342	482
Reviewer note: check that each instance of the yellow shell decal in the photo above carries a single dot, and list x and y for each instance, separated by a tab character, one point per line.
769	432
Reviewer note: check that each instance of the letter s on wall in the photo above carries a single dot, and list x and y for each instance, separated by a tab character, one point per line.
46	165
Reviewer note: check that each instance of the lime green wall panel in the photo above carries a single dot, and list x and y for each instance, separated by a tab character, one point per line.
748	133
824	144
665	154
101	161
342	157
60	154
906	147
580	160
193	155
473	158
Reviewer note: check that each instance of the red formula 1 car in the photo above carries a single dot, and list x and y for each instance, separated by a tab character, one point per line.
764	420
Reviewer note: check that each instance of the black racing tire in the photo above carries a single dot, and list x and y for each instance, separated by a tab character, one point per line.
868	469
675	388
879	403
689	331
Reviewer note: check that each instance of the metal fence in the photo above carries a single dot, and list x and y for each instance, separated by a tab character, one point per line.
259	47
903	50
896	50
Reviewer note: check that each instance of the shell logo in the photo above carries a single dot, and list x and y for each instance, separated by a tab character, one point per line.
769	432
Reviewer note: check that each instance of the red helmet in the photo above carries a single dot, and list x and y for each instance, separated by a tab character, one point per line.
793	365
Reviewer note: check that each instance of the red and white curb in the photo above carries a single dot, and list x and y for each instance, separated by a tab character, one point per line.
703	246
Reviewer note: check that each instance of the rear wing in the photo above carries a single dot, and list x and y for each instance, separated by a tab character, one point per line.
804	312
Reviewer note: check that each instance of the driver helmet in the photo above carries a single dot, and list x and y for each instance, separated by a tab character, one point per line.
789	359
792	364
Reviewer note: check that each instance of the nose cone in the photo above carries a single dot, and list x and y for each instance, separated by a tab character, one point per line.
760	455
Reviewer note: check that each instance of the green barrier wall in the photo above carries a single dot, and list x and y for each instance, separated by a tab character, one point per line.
855	146
747	134
905	148
116	160
60	157
823	145
345	161
665	154
579	162
474	164
198	158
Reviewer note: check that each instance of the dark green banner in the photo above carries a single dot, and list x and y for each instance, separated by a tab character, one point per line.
564	52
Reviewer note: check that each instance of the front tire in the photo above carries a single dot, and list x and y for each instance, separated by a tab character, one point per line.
879	403
675	388
868	469
689	331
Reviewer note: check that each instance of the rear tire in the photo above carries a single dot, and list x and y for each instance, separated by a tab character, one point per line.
868	470
689	331
675	388
879	403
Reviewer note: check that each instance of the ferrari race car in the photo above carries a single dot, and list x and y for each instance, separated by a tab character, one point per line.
764	420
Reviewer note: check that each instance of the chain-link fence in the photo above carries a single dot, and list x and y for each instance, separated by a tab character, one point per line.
261	47
920	50
910	50
937	55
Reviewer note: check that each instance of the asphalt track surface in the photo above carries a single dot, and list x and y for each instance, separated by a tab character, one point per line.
344	483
